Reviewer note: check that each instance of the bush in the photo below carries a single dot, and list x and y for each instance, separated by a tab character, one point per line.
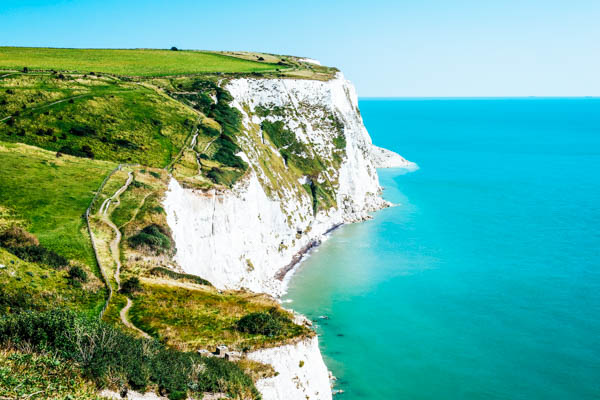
339	142
153	237
263	323
12	300
26	246
82	131
131	285
226	153
15	236
107	355
86	151
223	177
228	117
164	272
77	276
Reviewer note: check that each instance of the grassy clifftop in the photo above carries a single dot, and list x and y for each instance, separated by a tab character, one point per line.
67	118
134	62
156	62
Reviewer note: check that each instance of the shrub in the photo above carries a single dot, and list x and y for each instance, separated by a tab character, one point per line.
263	323
226	153
280	136
210	131
13	300
86	151
77	276
161	271
140	185
223	177
228	117
153	237
26	246
108	355
82	131
15	236
339	142
131	285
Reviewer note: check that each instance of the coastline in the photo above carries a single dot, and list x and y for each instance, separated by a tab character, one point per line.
286	273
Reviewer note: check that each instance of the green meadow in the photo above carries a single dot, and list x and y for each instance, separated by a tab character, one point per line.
48	196
134	62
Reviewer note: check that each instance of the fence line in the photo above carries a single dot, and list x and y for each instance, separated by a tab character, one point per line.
87	219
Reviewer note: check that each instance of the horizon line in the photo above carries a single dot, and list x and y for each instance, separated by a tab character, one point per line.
473	97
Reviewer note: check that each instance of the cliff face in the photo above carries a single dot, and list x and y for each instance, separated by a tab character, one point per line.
311	169
302	374
242	238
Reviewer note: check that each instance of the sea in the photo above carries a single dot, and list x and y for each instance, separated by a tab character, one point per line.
483	282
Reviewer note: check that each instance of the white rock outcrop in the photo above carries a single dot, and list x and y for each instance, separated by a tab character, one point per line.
384	158
302	374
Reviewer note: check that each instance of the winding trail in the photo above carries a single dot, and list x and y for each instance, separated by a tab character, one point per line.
115	251
124	313
114	244
49	104
136	211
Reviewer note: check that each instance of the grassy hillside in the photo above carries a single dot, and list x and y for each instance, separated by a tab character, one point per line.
66	122
192	317
136	62
94	117
26	375
48	196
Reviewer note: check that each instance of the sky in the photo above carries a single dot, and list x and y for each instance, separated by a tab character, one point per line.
426	48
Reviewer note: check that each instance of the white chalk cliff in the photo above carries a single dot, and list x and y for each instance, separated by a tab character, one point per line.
249	236
384	158
301	372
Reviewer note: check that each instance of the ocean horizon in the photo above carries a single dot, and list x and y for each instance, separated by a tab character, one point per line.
484	281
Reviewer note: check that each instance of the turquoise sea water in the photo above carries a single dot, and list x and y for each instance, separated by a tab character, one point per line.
485	282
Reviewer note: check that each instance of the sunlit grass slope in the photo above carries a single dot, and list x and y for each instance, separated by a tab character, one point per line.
95	117
48	196
136	62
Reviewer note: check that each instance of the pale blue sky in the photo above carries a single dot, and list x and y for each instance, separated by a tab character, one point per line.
387	48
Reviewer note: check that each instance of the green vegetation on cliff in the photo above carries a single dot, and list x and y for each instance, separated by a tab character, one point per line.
68	118
134	62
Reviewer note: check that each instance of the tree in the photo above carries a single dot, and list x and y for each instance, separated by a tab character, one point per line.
174	48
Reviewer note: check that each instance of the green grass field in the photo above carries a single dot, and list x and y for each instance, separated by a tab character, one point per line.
190	317
100	118
135	62
49	196
25	284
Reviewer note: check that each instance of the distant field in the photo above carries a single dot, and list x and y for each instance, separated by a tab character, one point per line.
126	62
